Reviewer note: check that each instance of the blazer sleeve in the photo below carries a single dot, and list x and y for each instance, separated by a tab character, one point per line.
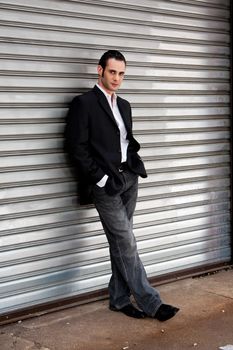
77	142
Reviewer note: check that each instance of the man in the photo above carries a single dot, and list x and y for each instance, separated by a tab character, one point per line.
104	152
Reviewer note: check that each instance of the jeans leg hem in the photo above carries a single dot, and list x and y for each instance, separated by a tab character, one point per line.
117	307
156	309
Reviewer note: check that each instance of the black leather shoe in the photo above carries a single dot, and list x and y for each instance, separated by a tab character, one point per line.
129	310
165	312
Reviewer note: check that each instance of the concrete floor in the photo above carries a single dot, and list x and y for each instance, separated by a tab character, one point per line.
205	322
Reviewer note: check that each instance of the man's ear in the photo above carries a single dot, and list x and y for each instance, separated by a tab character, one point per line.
100	70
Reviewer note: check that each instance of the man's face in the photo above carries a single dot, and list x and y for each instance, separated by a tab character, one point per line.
111	78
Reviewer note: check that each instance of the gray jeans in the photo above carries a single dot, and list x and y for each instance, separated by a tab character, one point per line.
128	273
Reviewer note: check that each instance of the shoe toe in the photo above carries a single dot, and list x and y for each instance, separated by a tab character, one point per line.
165	312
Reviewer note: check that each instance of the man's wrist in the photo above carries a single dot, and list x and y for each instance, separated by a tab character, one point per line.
103	181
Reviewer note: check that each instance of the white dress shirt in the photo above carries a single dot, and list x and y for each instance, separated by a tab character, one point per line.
112	100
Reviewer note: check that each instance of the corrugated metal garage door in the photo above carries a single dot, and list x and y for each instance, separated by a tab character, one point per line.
178	83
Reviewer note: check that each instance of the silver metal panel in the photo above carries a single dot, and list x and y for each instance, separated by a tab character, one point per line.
178	84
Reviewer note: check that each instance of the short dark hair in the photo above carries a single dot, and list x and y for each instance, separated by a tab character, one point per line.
111	54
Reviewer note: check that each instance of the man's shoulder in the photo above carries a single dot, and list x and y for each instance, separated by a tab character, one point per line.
123	101
86	96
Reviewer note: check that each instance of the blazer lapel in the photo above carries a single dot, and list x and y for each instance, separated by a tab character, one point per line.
104	103
125	118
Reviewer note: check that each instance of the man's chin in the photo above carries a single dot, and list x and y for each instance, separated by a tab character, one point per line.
114	87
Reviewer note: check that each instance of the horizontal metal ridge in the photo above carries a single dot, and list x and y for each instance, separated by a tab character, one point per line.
195	211
95	32
69	60
141	232
119	19
221	196
86	76
123	5
101	250
185	218
138	50
182	130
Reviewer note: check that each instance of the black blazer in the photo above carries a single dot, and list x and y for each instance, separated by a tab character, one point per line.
93	143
